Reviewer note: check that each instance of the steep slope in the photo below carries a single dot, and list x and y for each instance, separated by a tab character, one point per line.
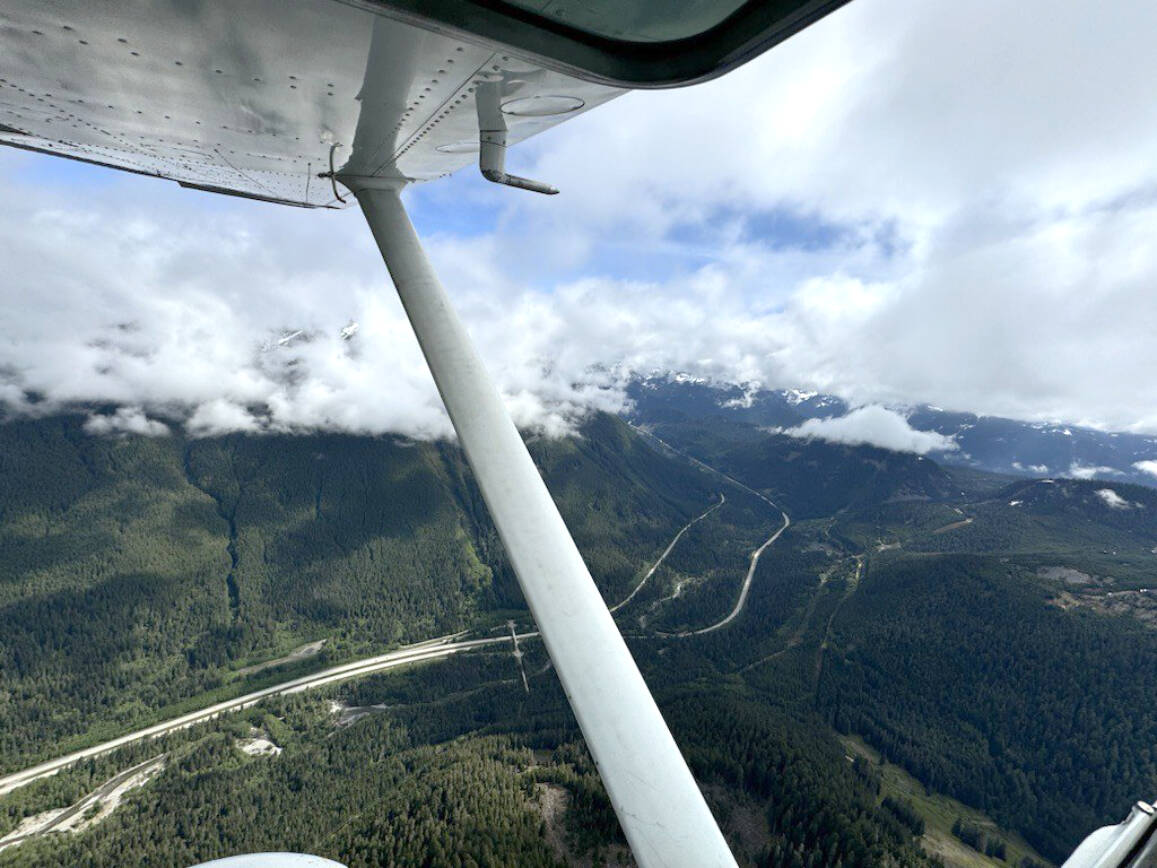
811	478
136	571
988	443
958	668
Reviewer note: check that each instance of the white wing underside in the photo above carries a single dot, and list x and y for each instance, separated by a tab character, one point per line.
254	98
250	98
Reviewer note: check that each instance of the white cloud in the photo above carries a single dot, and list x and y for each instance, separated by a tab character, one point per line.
1146	466
1112	499
1038	469
904	203
220	416
126	420
1080	471
876	426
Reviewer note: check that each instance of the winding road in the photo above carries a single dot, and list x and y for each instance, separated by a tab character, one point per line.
700	464
667	551
742	601
432	649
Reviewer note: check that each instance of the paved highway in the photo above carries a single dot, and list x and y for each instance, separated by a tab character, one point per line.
754	555
746	584
432	649
100	794
667	551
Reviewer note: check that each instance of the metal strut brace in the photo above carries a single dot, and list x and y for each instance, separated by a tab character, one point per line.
332	175
662	812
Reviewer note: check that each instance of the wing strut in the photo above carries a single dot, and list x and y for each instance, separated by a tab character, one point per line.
653	793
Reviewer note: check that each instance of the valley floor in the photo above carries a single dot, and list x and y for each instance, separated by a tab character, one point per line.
845	681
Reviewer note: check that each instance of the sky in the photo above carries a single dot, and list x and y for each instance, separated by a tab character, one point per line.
940	202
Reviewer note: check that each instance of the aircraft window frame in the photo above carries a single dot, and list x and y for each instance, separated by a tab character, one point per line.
636	20
754	27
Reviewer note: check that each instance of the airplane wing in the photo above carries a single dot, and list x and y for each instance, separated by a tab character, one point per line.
259	98
282	100
255	98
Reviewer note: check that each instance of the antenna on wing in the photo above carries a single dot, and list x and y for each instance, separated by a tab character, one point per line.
492	143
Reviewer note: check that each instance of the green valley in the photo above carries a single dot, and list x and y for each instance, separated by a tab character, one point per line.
964	628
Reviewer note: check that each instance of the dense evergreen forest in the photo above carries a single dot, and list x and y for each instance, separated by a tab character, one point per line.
404	786
959	670
136	572
932	613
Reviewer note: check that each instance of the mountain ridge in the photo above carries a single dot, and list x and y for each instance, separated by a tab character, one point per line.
990	443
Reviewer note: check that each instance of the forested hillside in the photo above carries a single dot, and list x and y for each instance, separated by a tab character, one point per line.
1000	644
814	477
137	571
957	668
991	639
987	443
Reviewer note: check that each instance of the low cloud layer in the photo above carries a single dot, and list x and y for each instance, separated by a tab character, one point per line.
125	420
905	203
875	426
1035	469
1080	471
1112	499
1149	467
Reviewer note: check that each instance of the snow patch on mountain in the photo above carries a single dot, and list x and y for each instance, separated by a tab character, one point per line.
795	397
745	401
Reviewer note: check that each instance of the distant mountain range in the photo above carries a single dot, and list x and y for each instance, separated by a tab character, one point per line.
989	443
